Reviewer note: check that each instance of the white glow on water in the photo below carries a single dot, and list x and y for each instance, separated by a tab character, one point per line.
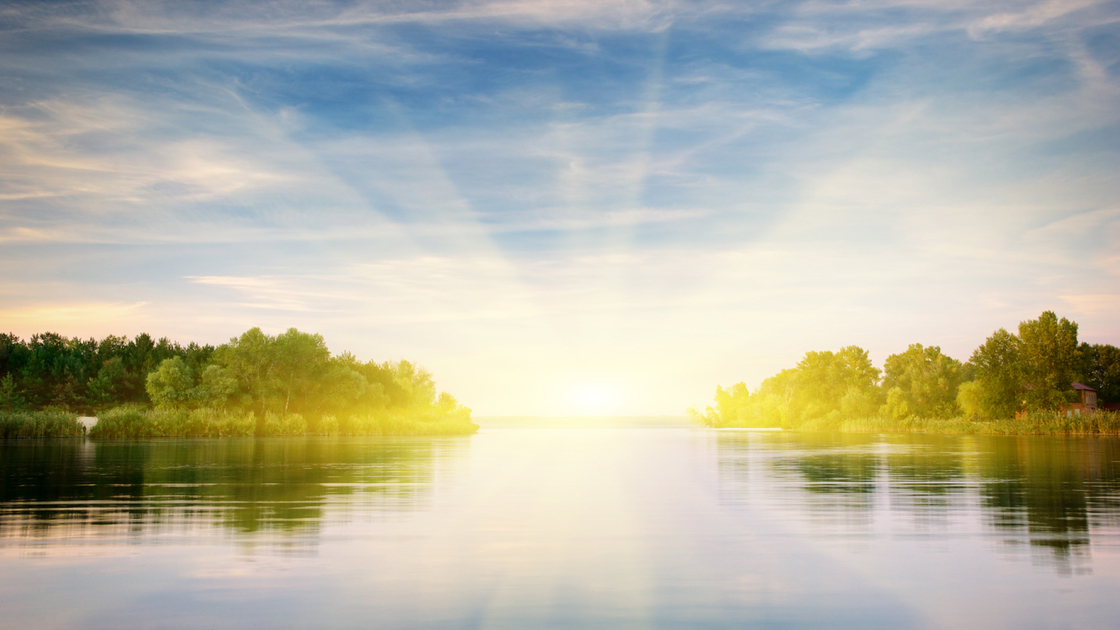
526	527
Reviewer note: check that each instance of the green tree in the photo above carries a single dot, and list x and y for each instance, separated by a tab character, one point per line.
970	398
732	407
300	362
215	386
357	385
843	383
343	387
171	384
896	407
776	397
104	390
53	369
295	373
449	407
1101	368
289	375
414	384
10	398
996	365
927	379
14	354
250	360
1051	361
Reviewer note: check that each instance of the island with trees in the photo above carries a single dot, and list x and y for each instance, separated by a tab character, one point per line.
1025	383
255	385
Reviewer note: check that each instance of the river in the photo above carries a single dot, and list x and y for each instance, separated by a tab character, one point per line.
563	526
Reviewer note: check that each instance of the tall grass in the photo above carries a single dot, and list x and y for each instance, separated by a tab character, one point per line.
1060	423
1034	423
133	422
283	425
404	424
39	424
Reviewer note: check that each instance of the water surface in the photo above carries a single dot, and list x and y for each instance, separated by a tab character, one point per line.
564	526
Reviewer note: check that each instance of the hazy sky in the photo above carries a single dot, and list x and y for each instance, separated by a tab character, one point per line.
582	206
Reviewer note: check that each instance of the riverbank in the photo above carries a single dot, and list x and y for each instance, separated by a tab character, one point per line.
137	423
1105	423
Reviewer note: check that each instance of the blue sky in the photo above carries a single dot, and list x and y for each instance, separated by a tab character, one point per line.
563	206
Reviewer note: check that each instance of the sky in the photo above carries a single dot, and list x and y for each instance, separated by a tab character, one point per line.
563	206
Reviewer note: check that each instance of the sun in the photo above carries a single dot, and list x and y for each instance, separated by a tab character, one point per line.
592	398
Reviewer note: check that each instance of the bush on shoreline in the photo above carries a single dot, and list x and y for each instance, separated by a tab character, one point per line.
40	424
1104	423
131	422
405	424
257	384
1043	371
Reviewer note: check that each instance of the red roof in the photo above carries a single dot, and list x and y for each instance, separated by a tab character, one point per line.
1080	386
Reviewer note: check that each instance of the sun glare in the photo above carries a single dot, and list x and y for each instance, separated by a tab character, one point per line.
592	398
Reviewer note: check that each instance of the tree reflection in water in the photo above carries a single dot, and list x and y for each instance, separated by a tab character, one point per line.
250	486
1055	490
1046	492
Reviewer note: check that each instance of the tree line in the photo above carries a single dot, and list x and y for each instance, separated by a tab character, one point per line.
1032	371
289	374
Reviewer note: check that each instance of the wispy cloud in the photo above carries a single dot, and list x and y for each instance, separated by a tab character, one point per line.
680	192
1033	15
287	17
90	316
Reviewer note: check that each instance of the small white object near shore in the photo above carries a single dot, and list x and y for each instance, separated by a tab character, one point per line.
88	421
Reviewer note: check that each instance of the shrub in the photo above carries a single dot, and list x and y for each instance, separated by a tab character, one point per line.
133	422
405	423
328	425
211	422
39	424
277	425
1032	423
126	421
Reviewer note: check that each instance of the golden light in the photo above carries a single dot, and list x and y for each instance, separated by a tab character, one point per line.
592	398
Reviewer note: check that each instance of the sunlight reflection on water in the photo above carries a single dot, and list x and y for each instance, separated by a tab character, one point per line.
563	526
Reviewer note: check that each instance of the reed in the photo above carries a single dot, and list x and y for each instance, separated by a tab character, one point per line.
39	424
400	423
1060	423
1033	423
283	425
132	422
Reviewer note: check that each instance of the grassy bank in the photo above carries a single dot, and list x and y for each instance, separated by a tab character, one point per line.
39	424
134	422
1036	423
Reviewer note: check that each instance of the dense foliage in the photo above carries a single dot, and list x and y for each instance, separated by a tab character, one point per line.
52	371
1029	376
257	384
922	382
39	424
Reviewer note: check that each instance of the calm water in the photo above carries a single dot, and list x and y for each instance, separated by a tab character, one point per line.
563	527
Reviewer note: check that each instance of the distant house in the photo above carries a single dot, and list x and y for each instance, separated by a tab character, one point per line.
1087	402
1087	396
